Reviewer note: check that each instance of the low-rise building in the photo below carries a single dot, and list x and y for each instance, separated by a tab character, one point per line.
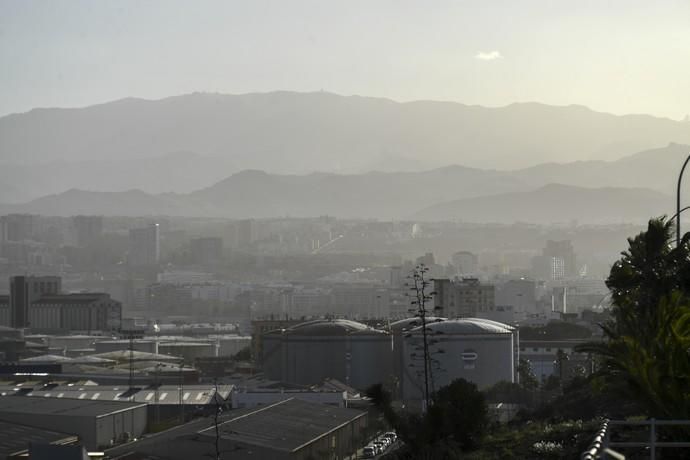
75	312
98	424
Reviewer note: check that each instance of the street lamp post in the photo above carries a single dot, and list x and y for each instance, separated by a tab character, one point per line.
678	211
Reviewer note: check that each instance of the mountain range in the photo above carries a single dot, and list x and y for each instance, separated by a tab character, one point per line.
183	143
555	203
207	155
449	193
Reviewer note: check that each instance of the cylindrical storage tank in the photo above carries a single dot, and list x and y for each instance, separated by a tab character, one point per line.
272	354
398	329
478	350
371	358
345	350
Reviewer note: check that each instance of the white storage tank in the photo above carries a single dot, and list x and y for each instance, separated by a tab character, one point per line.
478	350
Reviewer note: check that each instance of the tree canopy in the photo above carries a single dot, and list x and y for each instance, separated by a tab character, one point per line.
646	352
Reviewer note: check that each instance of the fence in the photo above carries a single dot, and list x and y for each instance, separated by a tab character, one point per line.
602	445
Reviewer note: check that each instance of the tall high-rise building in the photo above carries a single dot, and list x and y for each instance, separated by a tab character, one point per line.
88	229
462	298
557	261
24	290
144	246
17	227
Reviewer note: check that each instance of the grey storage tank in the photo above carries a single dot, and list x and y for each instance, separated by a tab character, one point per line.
345	350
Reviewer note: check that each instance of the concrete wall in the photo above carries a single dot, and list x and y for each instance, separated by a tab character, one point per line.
115	425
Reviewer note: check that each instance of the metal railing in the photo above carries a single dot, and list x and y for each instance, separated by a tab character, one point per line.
601	446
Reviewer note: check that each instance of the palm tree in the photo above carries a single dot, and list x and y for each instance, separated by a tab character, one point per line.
646	354
654	371
648	271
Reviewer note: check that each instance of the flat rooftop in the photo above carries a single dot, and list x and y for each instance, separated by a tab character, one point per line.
198	395
16	438
286	425
63	406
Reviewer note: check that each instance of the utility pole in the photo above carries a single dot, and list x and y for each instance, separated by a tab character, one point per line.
678	210
181	392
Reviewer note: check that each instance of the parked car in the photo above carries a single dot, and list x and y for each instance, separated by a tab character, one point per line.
391	436
377	447
369	452
381	445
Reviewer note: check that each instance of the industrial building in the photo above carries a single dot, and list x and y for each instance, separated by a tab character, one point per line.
12	344
24	290
164	401
478	350
290	429
188	350
97	423
36	302
542	356
15	439
75	312
254	397
311	352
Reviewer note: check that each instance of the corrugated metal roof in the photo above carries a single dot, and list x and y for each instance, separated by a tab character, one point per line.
287	425
65	406
192	394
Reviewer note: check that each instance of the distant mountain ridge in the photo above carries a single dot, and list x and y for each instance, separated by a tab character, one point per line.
489	196
138	157
556	203
287	132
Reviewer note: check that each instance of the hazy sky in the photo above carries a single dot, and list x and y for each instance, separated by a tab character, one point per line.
630	56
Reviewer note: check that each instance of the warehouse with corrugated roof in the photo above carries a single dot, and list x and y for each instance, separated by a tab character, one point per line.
97	423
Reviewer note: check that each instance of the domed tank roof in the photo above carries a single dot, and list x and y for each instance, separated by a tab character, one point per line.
468	326
326	327
411	323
